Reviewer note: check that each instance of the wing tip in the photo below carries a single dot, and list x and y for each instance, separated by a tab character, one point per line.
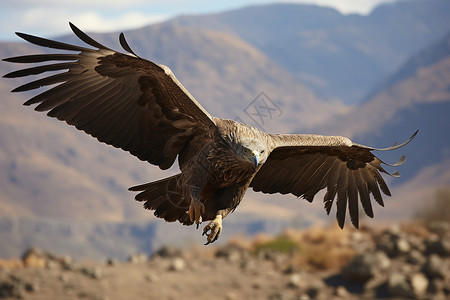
123	42
393	147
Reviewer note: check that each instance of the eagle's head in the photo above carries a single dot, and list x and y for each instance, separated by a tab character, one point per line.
247	143
253	151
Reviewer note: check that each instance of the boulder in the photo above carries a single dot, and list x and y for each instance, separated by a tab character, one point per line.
366	266
34	257
434	267
398	286
167	252
11	287
393	242
419	284
438	245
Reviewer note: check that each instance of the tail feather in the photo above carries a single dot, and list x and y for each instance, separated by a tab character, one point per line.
163	197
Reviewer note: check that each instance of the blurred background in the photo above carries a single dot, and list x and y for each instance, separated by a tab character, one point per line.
372	70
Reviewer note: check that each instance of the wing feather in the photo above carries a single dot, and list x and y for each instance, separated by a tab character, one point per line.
319	181
363	193
305	164
120	99
353	198
341	201
332	186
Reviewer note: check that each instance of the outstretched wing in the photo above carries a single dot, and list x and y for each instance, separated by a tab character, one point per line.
305	164
120	99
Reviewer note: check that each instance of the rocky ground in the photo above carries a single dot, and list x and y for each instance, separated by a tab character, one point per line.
410	261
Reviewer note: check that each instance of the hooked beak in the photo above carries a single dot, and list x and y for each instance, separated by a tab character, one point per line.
254	159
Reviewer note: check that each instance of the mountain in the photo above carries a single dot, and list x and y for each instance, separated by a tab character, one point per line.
417	96
337	56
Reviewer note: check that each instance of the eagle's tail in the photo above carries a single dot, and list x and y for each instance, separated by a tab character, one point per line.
165	199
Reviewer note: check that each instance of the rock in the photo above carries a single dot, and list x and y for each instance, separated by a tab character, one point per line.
94	273
361	241
249	265
416	243
152	277
366	266
438	245
52	265
434	267
64	277
316	289
168	252
277	257
231	296
277	296
231	253
393	242
415	257
436	286
402	246
295	281
34	257
398	286
31	287
11	287
446	288
407	286
419	284
439	227
138	258
291	269
112	262
342	292
177	264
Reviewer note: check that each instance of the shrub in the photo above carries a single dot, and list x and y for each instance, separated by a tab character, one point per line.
282	244
438	210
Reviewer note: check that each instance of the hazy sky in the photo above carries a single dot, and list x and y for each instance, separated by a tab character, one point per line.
51	17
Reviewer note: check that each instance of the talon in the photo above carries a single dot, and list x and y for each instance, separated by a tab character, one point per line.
196	209
215	229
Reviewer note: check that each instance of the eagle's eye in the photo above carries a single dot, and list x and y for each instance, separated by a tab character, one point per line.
262	151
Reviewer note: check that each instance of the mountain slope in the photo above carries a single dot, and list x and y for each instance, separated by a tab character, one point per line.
418	99
338	56
415	97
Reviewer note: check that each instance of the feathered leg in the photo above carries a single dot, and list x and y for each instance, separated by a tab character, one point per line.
196	208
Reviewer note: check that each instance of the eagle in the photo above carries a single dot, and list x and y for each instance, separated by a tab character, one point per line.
140	106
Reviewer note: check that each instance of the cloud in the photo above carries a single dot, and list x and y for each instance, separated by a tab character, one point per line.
347	6
79	4
54	21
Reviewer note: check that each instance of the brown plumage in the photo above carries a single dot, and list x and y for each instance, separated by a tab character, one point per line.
139	106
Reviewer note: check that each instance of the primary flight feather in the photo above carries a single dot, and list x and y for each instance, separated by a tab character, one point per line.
139	106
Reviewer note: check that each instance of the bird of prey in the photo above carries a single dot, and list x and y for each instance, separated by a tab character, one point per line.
139	106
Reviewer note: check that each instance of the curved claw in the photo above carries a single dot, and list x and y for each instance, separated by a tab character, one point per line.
196	210
214	228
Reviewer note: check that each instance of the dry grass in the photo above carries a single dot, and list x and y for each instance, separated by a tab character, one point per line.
324	249
439	210
10	263
312	249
